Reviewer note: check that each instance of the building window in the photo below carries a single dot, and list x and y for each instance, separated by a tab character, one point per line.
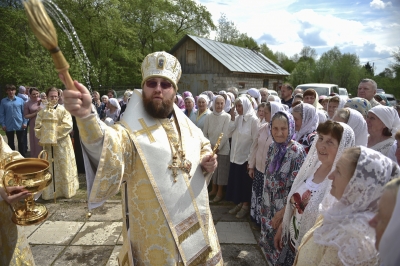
191	57
265	83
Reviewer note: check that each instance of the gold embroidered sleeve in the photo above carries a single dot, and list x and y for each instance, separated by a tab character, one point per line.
115	165
38	124
90	129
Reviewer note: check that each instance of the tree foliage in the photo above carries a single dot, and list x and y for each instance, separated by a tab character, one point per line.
116	35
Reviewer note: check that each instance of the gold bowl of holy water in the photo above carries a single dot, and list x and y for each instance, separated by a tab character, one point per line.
34	175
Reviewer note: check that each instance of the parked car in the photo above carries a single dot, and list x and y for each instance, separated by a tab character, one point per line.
320	88
381	91
391	99
272	92
343	94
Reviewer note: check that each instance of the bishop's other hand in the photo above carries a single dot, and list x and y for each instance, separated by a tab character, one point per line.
77	102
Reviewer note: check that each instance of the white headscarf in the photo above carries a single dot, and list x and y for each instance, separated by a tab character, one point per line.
276	98
390	242
248	111
228	102
388	116
275	107
345	225
309	167
115	103
310	120
213	105
205	97
253	92
359	126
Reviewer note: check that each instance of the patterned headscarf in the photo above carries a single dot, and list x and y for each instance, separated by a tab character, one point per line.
360	104
310	120
385	99
279	149
345	225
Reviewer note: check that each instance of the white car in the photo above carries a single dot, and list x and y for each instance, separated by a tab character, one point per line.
343	94
320	88
272	92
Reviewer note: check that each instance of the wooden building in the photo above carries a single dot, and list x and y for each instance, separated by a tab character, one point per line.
215	66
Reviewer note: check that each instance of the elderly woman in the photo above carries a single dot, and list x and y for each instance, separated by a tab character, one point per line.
216	123
258	155
356	121
202	112
341	235
190	110
311	186
382	123
15	249
359	104
306	123
104	99
243	129
386	224
284	160
114	109
31	109
310	96
334	103
186	94
260	113
382	99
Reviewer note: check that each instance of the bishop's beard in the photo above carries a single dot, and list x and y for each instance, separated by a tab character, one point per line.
158	110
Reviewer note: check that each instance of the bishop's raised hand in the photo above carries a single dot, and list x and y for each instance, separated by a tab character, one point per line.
77	102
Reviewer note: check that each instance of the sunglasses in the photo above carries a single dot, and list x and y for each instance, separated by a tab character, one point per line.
153	84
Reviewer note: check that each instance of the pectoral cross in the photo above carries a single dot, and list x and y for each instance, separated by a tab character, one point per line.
146	130
174	166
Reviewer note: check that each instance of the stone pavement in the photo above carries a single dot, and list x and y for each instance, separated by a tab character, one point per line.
68	238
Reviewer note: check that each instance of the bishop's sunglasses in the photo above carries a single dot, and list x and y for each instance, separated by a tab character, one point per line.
153	84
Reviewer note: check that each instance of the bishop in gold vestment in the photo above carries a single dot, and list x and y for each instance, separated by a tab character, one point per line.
57	143
161	162
14	247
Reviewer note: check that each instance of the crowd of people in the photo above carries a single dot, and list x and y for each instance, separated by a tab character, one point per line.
318	175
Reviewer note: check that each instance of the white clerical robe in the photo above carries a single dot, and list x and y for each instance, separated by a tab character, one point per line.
167	219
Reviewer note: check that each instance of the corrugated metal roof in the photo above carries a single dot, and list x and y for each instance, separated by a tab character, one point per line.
236	59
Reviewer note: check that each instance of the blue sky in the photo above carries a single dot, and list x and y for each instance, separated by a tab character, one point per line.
369	28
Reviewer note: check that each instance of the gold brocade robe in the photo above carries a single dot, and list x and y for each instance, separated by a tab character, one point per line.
14	247
65	171
150	235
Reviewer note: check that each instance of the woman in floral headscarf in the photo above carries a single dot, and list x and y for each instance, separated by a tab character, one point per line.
284	160
306	121
341	235
359	104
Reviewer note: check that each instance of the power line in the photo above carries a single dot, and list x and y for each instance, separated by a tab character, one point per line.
377	59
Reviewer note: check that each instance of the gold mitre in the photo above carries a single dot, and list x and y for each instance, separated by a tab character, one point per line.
161	65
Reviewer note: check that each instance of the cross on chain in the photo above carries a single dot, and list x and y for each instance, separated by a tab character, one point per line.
146	130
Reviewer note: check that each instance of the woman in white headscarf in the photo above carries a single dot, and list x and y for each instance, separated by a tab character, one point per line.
341	235
202	111
356	121
228	102
244	129
382	122
310	96
113	110
311	185
216	123
306	120
387	226
258	155
253	92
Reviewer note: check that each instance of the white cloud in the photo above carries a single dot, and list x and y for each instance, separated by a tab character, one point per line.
288	31
379	4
